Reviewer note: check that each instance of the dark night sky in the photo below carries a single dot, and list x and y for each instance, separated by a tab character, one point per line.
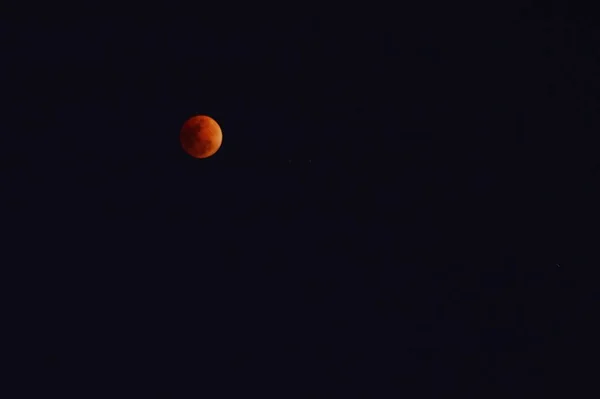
413	237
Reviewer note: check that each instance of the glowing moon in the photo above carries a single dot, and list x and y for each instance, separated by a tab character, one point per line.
201	136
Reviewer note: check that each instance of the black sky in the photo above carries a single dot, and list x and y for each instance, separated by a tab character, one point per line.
391	193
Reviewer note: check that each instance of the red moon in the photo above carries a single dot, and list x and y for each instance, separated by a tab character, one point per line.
201	136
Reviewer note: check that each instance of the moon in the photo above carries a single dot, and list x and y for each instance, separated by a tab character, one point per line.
201	136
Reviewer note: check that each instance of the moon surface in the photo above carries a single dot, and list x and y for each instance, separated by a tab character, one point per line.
201	136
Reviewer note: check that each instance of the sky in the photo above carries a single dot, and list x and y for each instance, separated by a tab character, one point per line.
390	190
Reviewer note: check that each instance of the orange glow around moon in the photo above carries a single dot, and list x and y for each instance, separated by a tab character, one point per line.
201	136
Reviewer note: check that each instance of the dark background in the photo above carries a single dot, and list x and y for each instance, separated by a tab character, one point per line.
392	197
